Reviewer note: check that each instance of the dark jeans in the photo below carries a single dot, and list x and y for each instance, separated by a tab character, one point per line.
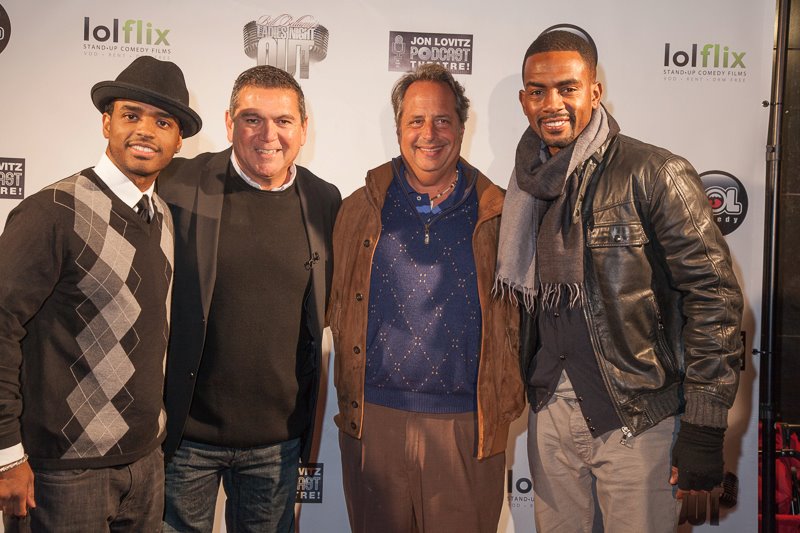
127	498
260	484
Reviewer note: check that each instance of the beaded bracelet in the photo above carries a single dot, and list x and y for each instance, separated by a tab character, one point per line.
9	466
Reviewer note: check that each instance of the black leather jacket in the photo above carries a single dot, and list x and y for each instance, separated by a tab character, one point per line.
663	305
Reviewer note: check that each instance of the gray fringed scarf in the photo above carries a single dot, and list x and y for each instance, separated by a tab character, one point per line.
540	253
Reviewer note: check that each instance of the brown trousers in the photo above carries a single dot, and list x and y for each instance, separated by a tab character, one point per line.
417	472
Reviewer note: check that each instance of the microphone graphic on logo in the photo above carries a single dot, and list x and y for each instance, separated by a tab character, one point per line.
398	47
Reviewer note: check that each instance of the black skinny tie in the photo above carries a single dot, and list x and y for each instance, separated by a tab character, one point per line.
143	208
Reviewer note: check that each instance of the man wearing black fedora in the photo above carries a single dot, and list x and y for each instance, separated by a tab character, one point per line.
84	307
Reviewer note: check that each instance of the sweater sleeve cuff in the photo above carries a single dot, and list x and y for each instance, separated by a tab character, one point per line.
9	455
703	410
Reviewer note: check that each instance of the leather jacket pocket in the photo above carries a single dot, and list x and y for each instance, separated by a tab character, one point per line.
630	234
662	349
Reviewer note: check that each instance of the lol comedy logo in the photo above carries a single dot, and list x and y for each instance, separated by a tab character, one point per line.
5	29
286	42
728	199
519	490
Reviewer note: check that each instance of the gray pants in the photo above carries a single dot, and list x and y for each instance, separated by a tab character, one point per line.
575	473
126	498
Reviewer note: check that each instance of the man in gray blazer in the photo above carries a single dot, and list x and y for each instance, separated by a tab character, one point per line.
253	266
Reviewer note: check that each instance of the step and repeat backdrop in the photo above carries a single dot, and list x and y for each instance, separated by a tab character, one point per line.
689	76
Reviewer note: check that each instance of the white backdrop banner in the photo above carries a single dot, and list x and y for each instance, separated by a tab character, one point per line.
689	76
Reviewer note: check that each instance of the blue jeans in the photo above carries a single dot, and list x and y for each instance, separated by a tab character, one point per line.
260	484
126	498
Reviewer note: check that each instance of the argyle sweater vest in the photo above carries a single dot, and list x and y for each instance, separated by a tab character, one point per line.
92	300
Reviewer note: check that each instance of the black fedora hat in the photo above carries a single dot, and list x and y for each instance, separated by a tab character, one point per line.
154	82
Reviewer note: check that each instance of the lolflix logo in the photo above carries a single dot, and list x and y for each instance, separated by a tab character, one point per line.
309	483
711	56
125	38
520	490
12	178
286	42
5	29
713	62
728	199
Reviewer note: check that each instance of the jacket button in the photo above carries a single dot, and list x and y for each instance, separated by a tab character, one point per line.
191	375
354	404
353	426
556	314
359	296
592	429
562	356
366	243
356	349
617	238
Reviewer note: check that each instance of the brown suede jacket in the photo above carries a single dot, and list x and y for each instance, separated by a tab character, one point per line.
355	236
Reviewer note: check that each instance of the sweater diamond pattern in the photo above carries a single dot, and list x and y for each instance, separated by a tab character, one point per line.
108	312
424	327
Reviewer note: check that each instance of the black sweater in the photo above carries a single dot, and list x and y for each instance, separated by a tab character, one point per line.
253	382
83	326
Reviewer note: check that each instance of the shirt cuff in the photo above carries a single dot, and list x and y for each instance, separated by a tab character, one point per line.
9	455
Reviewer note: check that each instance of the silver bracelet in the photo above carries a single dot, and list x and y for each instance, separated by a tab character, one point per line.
9	466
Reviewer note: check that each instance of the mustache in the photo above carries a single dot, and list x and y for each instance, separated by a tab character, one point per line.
569	115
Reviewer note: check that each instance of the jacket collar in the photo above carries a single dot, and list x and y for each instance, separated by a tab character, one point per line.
490	196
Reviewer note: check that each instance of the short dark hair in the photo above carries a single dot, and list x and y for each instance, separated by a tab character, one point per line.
267	77
430	72
563	41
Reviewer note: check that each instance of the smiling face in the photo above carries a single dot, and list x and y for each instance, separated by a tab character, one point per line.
142	139
267	132
430	134
559	96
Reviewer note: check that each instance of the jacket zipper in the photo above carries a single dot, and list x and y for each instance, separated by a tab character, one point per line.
454	207
626	431
606	382
626	434
661	340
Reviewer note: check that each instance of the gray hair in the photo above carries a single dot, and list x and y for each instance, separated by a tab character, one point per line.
429	72
267	77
